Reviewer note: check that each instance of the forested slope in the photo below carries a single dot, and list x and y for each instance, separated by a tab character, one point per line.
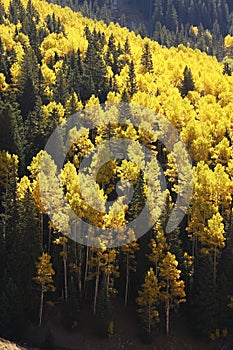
54	62
196	24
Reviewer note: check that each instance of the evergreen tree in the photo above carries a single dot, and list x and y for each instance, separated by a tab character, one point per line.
28	83
227	69
146	59
61	92
131	80
12	316
103	311
12	133
204	296
94	78
187	84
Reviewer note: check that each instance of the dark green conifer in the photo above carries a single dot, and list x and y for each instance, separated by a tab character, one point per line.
131	80
187	84
146	59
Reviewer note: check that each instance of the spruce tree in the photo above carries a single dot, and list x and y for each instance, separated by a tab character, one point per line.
94	78
103	311
146	59
28	82
12	316
131	80
187	84
227	69
204	296
12	133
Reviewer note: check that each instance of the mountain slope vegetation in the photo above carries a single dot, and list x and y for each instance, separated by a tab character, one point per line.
55	62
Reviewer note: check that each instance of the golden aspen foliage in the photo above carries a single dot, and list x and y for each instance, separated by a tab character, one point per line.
147	300
172	288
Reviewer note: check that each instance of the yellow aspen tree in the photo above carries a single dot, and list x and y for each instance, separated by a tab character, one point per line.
214	238
158	246
34	169
172	288
110	269
95	262
128	251
148	300
8	169
44	277
62	240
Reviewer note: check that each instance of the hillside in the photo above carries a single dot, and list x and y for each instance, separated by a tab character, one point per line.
168	22
177	104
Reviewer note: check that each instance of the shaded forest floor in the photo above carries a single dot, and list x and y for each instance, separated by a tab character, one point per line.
126	336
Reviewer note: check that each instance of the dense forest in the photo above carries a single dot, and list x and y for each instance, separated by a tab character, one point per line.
196	24
55	62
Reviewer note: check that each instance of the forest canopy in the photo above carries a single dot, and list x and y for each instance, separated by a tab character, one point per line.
55	62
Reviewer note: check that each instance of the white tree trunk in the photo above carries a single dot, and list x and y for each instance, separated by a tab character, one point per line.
65	271
167	316
127	279
41	307
96	286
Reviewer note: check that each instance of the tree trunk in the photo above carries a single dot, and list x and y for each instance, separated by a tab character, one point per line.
80	269
107	283
215	263
65	271
149	320
41	307
127	279
96	286
49	242
41	221
86	269
167	316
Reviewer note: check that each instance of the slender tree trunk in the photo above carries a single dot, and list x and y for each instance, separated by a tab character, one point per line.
127	279
41	307
50	233
65	271
107	284
41	221
86	269
96	285
149	319
215	262
80	269
167	316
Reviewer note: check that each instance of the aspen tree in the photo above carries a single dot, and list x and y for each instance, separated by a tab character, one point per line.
172	288
44	277
128	251
148	300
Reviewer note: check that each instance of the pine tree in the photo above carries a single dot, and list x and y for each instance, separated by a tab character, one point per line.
146	59
142	30
227	69
29	242
204	296
103	311
27	83
12	134
61	91
12	315
131	80
187	84
94	78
